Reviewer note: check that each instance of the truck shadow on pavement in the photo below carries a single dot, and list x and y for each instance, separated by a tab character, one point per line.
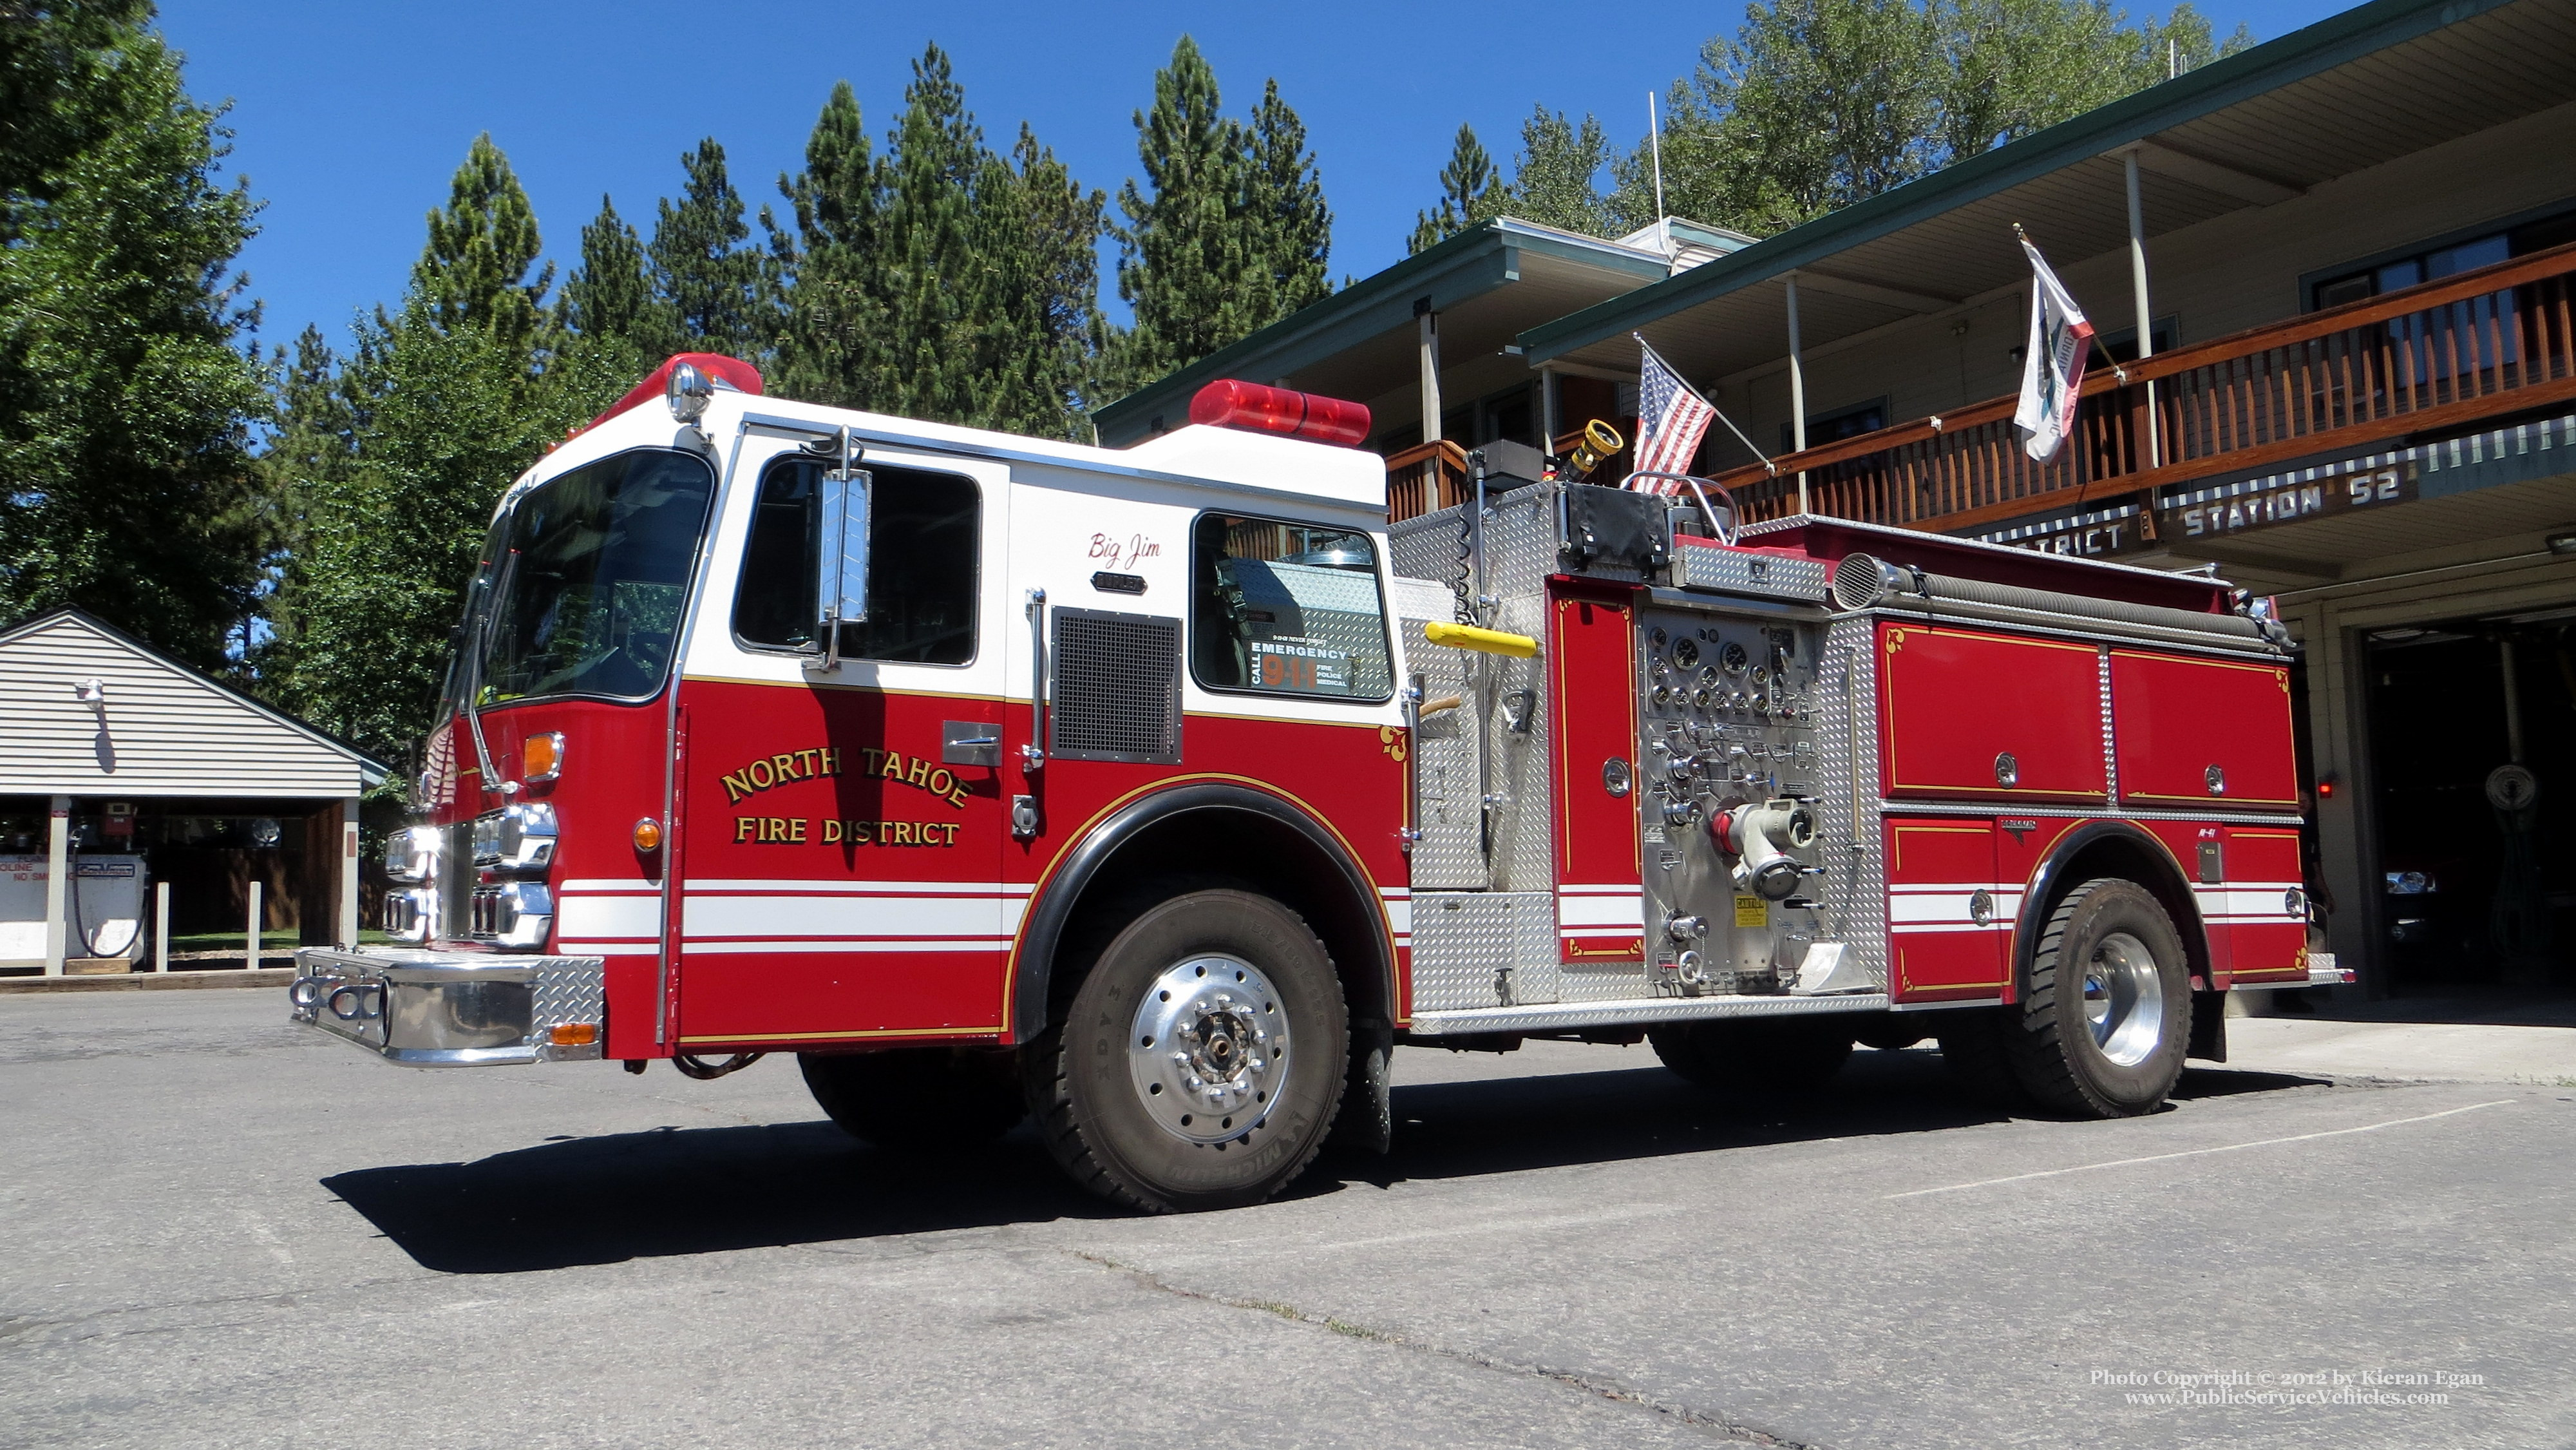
678	1191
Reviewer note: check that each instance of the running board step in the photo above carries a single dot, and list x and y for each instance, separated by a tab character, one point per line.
1550	1016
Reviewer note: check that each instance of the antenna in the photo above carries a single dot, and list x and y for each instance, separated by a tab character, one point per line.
1655	139
2173	58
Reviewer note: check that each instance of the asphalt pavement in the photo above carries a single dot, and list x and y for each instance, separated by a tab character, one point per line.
225	1230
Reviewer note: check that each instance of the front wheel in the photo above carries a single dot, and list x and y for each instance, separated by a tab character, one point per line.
1202	1058
2107	1020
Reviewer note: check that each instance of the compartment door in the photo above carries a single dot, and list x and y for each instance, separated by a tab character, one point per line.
2202	732
1948	919
2250	909
1967	713
1592	695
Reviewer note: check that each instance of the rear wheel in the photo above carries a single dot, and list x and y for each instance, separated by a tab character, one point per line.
2104	1027
1202	1057
917	1099
1754	1056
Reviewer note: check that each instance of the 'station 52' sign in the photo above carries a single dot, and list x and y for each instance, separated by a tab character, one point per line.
2211	513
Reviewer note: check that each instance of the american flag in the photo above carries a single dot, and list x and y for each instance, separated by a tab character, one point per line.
1671	420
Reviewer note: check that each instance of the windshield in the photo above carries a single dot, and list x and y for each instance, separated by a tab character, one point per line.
586	575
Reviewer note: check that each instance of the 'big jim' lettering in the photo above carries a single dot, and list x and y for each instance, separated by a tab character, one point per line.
793	765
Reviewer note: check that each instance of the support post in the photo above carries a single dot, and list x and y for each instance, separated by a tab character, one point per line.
348	937
2146	313
58	880
1548	423
1797	391
1428	323
251	948
161	926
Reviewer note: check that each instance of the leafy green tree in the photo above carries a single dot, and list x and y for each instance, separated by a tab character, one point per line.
711	282
53	55
831	331
1470	191
1292	228
936	275
1815	104
126	484
1554	178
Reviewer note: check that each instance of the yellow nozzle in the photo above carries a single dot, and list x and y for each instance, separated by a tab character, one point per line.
1491	641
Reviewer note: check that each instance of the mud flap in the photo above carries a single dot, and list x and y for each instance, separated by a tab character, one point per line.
2208	1026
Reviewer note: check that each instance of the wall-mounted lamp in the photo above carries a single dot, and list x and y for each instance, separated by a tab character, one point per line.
90	692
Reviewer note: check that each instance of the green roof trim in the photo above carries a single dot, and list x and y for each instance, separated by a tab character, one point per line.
1475	261
2214	87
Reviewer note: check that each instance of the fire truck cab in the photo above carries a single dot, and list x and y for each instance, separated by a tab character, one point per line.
1159	792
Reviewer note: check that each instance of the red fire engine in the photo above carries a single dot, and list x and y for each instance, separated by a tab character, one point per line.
1160	792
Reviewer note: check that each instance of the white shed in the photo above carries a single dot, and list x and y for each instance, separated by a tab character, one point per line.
124	753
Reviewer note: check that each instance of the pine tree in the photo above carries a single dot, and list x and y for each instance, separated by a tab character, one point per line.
608	306
1470	191
1284	208
1051	325
832	328
706	277
934	276
474	271
1185	258
125	394
52	58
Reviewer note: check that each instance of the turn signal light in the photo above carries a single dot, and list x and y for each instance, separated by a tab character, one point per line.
1234	403
574	1034
648	835
541	757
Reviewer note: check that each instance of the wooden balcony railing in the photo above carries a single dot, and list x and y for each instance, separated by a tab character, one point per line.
1423	478
2441	356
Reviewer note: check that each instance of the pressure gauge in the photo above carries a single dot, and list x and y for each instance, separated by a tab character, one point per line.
1733	658
1761	677
1686	652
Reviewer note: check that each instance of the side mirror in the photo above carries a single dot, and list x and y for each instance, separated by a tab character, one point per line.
840	557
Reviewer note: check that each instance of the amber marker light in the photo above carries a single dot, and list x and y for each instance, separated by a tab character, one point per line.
541	757
648	835
574	1034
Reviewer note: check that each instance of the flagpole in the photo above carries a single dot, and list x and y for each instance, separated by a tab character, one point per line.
1797	392
2146	316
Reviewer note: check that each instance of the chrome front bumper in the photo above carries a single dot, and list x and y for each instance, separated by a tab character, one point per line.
454	1009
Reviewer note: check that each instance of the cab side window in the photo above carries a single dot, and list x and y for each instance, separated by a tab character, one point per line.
1286	609
924	530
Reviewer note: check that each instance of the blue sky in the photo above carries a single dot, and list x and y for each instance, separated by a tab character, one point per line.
351	117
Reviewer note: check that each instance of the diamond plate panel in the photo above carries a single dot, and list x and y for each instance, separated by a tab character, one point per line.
1847	737
568	989
1520	545
1471	947
1446	810
1736	571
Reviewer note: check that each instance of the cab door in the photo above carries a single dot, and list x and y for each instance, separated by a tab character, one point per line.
841	828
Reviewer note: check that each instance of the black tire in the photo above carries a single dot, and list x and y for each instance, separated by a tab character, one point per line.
1755	1055
1085	1093
917	1099
2086	962
1972	1053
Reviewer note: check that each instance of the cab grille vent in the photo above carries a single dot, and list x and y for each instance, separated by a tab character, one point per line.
1115	692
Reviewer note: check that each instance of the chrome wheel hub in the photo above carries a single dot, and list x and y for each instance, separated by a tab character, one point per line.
2124	999
1208	1049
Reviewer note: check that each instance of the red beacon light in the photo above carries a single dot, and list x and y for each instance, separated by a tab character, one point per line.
1234	403
730	374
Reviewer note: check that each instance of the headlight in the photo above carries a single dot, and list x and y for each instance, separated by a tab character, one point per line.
519	838
411	854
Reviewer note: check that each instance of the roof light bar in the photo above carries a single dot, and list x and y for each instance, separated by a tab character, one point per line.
1234	403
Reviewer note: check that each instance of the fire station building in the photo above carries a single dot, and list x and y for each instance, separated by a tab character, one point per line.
2333	285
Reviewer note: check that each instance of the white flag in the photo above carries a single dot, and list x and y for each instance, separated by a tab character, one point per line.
2052	367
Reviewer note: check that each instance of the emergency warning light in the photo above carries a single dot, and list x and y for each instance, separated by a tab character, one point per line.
714	371
1234	403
